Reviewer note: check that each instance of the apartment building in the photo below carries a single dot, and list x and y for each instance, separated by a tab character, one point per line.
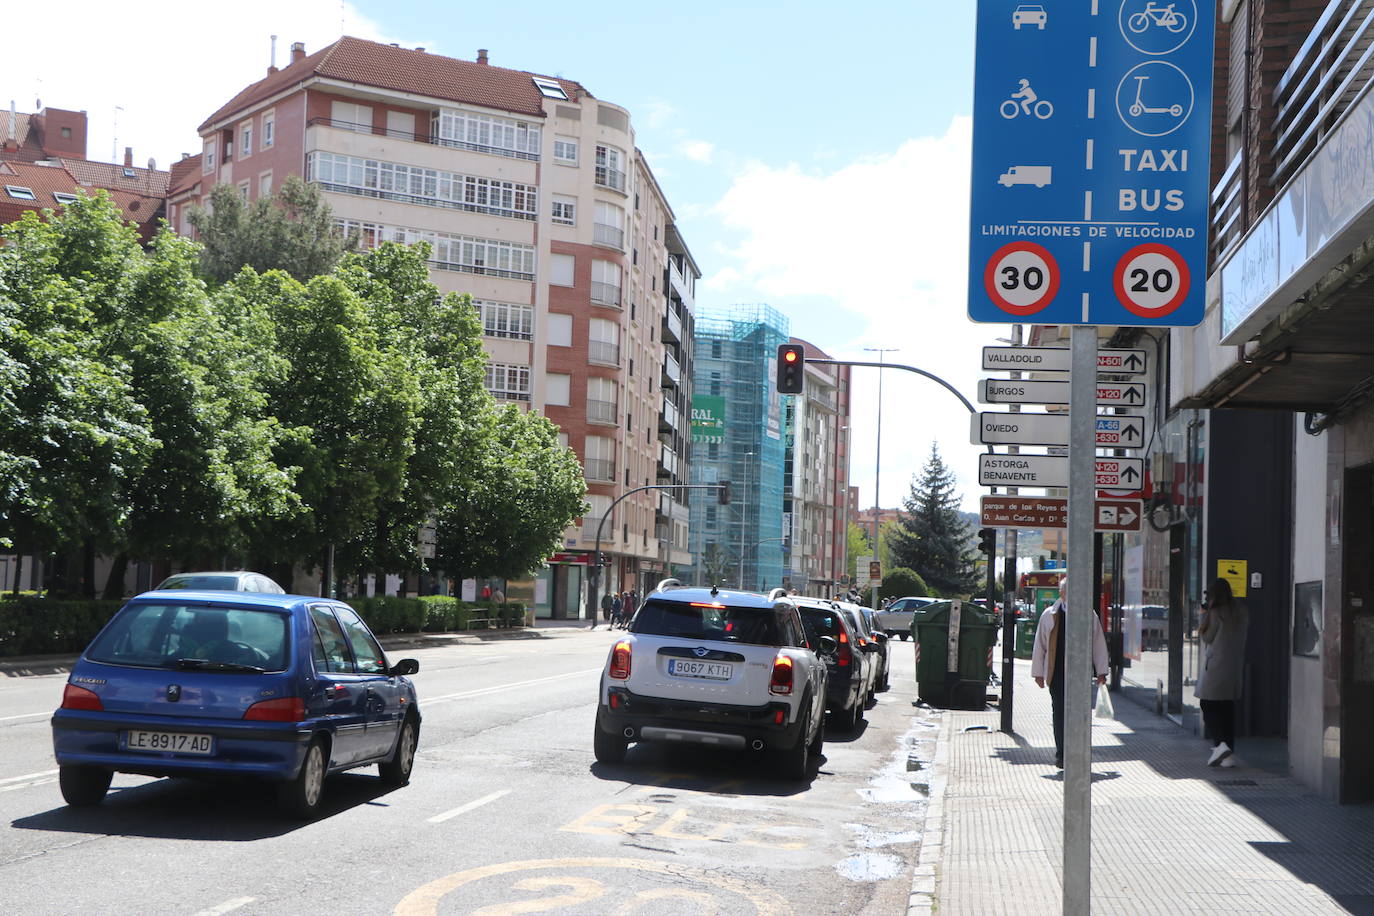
815	477
536	202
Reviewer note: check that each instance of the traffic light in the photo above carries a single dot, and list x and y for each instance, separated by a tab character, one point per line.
723	494
987	541
791	360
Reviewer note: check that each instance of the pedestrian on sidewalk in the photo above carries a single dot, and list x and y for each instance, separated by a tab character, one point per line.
628	612
1047	661
606	602
617	608
1222	631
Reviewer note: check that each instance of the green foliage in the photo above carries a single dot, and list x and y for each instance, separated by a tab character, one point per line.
432	614
292	231
902	583
717	566
47	626
933	538
859	545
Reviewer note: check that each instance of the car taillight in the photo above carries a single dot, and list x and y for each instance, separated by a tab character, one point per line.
285	709
620	660
845	655
781	681
74	697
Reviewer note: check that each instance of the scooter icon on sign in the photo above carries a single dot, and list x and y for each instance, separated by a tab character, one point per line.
1139	108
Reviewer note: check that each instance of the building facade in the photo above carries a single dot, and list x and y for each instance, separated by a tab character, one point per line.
534	201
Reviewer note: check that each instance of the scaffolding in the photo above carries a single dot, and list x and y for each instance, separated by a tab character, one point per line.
735	354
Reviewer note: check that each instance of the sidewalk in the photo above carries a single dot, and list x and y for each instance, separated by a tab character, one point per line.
1169	834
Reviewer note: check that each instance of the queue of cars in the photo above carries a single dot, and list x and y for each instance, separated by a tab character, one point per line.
736	669
231	683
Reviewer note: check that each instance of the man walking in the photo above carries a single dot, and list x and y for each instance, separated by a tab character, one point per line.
1047	661
605	610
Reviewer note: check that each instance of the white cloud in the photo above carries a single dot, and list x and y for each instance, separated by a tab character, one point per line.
699	151
657	114
166	74
882	243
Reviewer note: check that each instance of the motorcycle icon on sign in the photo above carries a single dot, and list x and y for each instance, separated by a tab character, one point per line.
1025	101
1138	107
1166	17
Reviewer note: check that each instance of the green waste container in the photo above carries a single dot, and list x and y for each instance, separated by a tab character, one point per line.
1025	636
966	686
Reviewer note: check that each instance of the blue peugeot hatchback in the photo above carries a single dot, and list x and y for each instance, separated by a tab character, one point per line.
188	683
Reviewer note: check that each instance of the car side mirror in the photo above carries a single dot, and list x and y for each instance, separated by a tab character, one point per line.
404	667
880	637
828	645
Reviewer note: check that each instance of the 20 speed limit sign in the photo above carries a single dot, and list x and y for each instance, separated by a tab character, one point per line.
1021	278
1151	280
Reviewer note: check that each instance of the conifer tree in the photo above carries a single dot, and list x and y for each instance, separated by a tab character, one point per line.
932	538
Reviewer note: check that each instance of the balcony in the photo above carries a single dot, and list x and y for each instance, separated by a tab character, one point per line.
602	412
672	372
605	294
421	138
1227	209
676	281
669	465
608	177
668	417
672	326
610	236
601	469
603	353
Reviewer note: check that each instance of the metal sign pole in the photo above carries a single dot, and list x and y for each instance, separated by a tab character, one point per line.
1078	620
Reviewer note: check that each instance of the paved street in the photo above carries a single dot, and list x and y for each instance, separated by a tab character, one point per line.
507	812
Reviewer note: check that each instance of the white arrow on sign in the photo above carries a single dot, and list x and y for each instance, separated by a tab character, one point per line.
1120	394
1056	359
1053	471
1120	431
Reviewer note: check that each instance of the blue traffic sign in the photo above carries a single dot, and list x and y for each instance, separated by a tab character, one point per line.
1091	139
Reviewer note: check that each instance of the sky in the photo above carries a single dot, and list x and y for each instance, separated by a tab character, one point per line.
816	155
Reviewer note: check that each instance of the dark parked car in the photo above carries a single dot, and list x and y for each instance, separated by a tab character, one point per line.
1154	628
850	669
201	683
876	641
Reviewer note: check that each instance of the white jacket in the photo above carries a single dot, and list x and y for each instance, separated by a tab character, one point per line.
1042	656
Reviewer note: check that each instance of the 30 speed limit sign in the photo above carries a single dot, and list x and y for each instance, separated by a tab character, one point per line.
1021	278
1151	280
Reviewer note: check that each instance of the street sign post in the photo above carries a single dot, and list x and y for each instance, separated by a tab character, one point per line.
1056	359
1053	471
1053	512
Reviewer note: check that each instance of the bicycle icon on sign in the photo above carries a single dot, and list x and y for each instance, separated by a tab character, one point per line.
1165	17
1025	101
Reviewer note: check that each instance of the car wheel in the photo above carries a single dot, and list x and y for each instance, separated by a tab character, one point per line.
795	762
83	786
301	796
396	771
818	742
609	748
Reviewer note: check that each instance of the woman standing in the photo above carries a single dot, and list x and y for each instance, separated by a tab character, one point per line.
1222	631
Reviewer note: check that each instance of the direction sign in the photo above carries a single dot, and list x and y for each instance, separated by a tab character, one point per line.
1056	359
1091	138
1021	391
1053	512
1053	471
1053	429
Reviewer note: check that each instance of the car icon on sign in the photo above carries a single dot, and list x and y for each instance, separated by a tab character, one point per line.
1038	175
1028	14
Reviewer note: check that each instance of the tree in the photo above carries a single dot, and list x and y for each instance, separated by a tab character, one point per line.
858	544
717	568
511	516
933	539
901	582
292	230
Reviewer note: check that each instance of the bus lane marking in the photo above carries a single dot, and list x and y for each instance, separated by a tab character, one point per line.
678	823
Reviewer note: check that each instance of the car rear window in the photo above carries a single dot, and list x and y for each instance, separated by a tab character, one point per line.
757	626
201	583
189	636
819	622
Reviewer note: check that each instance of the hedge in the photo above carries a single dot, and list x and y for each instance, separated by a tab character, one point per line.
48	626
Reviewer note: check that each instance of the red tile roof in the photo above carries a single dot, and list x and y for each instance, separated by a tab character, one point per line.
44	180
148	182
380	66
185	174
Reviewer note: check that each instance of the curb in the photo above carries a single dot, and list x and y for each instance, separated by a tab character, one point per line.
924	899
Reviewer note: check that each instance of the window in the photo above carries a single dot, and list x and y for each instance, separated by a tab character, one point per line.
601	400
511	383
66	133
366	653
561	269
489	257
599	461
20	193
557	389
208	156
549	89
564	210
129	172
565	150
505	319
245	140
400	124
265	184
560	330
351	116
610	225
269	126
606	283
610	168
599	506
485	133
63	198
427	187
243	189
331	647
603	345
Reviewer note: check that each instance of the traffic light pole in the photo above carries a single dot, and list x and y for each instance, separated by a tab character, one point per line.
594	579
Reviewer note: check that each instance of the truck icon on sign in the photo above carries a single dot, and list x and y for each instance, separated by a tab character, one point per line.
1038	175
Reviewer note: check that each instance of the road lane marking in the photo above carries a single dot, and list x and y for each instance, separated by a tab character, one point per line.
27	715
42	775
467	695
464	809
226	907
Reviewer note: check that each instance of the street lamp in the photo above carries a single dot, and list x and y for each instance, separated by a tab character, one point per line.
743	517
878	462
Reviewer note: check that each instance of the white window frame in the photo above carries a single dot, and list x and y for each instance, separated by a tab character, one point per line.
507	382
557	389
490	257
264	184
485	133
562	270
564	210
245	188
604	393
565	150
550	89
207	164
508	320
560	330
603	342
598	458
245	139
606	283
608	227
426	187
598	506
63	197
269	125
610	167
352	123
19	192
